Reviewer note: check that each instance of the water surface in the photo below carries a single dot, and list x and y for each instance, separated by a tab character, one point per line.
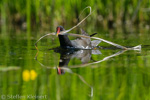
122	77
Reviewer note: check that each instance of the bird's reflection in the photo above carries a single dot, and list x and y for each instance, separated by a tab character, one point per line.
67	55
84	55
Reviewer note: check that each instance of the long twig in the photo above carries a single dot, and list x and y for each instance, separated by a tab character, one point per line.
104	59
43	37
109	42
114	44
66	31
77	35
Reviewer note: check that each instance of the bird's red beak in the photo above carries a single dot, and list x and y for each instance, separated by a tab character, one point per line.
59	70
58	31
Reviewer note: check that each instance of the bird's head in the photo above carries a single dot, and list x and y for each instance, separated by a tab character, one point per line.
59	29
60	71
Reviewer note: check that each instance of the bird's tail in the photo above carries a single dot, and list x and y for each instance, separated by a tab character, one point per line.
93	34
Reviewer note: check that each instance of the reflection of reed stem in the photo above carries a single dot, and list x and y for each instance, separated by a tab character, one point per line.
82	79
104	59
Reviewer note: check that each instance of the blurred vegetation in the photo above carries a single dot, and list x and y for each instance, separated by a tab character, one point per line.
27	13
125	77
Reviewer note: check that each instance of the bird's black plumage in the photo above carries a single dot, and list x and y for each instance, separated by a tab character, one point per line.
79	43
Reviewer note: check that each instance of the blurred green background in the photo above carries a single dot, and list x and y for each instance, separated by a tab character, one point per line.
124	77
47	13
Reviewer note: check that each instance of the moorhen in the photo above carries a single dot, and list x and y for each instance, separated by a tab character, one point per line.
79	43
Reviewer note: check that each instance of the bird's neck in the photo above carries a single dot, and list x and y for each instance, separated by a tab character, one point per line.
64	41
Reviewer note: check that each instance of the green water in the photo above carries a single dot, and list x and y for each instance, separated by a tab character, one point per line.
122	77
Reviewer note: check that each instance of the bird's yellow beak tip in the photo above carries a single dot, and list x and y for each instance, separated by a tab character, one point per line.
57	34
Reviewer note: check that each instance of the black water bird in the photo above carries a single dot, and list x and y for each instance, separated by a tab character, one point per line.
79	43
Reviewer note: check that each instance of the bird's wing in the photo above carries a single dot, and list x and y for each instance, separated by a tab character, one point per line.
95	43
